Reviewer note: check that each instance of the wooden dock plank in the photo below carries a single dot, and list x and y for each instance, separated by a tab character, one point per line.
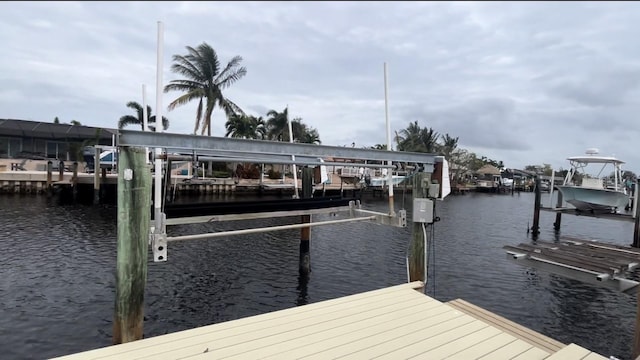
469	341
239	338
378	339
534	338
570	352
177	337
240	344
595	356
395	322
347	335
484	348
422	344
508	351
532	354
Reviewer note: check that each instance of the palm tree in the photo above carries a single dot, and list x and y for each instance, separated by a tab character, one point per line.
428	140
139	118
278	125
309	136
245	127
417	139
205	80
449	145
409	139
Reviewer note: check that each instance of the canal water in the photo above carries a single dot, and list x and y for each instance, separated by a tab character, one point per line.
57	268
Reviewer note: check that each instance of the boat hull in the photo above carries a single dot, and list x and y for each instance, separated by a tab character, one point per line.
587	199
383	181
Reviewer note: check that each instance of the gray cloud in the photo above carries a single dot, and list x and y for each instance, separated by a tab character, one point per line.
523	82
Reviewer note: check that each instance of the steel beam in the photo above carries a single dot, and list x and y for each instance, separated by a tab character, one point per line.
213	145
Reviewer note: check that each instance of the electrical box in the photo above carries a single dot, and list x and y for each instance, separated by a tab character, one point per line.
422	210
434	191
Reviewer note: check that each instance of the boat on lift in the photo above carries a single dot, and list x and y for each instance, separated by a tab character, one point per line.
595	191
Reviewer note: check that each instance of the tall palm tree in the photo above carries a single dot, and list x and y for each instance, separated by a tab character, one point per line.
278	125
449	144
409	139
428	140
311	136
139	118
204	81
417	139
245	127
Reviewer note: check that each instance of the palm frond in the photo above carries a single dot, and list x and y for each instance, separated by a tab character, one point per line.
127	120
184	99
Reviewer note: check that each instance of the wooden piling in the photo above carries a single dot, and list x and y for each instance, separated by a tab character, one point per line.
103	184
74	180
61	170
556	224
49	177
535	229
305	232
134	216
636	337
96	177
167	182
636	226
416	254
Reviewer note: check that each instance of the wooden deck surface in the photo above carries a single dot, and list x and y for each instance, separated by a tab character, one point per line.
397	322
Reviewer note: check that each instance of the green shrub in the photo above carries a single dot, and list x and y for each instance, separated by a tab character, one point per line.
221	174
273	174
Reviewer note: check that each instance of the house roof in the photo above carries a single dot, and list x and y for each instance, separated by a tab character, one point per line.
488	170
27	128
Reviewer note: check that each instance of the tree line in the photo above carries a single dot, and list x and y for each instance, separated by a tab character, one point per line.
204	80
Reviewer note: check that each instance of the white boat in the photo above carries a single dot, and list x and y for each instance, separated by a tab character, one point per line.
591	191
382	181
506	182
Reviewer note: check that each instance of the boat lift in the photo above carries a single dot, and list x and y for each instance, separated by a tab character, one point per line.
222	149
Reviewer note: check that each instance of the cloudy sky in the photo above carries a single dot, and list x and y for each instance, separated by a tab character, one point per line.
522	82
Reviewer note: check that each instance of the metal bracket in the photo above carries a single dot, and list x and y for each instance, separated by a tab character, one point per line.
158	240
159	246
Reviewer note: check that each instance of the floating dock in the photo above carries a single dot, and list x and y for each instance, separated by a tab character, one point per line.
396	322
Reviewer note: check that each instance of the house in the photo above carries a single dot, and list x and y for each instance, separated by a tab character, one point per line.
25	139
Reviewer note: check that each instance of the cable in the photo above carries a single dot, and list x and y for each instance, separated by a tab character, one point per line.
426	263
433	256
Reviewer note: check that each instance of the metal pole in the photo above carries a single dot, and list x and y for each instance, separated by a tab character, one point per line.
145	118
293	158
265	229
157	201
386	115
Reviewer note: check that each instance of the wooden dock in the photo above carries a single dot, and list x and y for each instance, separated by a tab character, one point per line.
594	262
396	322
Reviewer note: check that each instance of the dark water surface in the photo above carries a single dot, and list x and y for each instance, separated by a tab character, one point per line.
57	267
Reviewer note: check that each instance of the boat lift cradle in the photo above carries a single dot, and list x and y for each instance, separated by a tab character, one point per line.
194	147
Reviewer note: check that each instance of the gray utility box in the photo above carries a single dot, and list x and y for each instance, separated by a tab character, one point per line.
422	210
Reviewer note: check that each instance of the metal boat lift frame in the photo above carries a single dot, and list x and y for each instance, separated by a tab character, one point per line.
209	148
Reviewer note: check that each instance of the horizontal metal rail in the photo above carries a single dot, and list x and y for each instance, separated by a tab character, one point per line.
215	145
297	161
249	216
265	229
